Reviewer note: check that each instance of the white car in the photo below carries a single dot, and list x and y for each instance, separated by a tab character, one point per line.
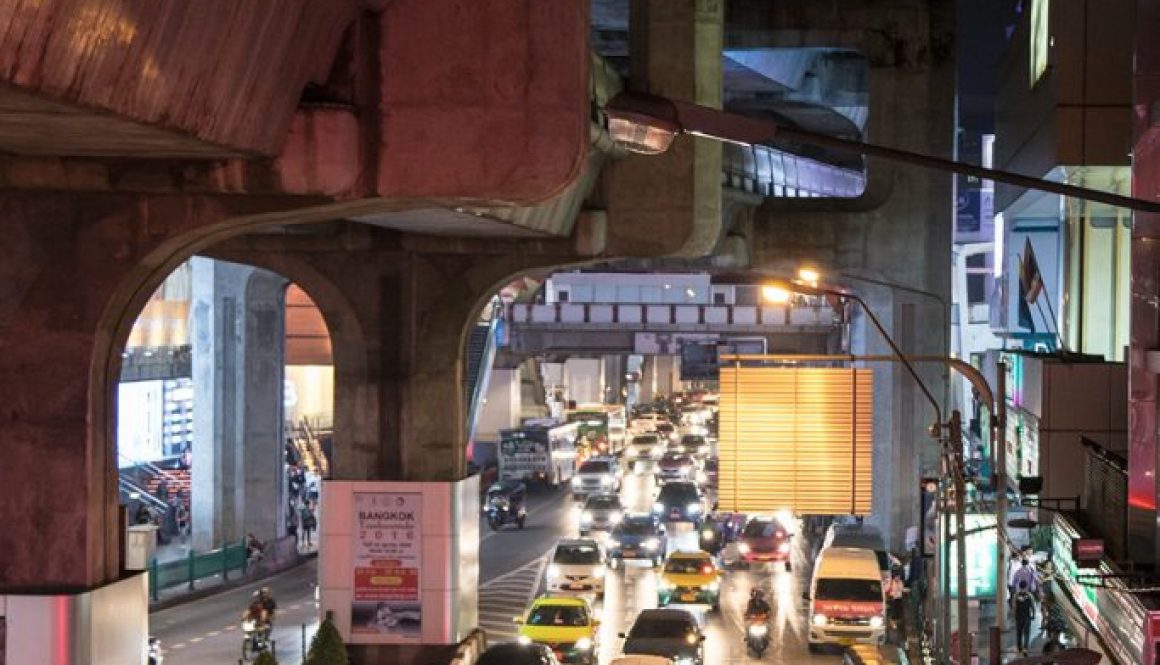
596	475
645	447
576	566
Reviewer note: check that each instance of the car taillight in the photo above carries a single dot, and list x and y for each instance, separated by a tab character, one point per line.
706	569
780	534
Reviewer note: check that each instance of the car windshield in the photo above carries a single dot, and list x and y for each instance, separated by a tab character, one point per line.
645	440
675	457
711	465
635	528
761	529
595	467
678	492
652	628
692	440
688	566
664	427
558	615
603	503
845	589
577	554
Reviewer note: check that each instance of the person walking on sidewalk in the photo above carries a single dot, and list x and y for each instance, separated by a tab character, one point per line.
1024	615
309	522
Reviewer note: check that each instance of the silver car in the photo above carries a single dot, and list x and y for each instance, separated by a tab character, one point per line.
601	512
597	475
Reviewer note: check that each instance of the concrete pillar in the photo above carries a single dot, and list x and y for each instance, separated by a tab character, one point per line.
614	369
237	360
502	406
671	203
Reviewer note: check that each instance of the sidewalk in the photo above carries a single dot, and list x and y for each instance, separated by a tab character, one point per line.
1078	633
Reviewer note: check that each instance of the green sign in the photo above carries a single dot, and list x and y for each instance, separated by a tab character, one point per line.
980	557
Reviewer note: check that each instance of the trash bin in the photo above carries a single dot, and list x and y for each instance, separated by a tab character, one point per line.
140	545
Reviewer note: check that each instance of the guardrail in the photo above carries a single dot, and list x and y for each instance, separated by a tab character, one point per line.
643	315
195	567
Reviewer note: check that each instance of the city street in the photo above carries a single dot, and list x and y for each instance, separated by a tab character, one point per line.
511	569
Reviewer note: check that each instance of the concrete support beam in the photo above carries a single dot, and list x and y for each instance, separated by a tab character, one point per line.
238	340
671	203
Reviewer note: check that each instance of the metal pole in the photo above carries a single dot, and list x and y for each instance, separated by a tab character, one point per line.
999	441
944	563
955	449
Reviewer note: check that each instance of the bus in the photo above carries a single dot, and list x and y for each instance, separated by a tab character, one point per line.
601	427
542	450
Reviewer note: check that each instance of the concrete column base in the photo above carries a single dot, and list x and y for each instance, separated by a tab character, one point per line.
401	654
109	624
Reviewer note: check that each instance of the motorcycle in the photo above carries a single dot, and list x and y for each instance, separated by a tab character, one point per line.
757	634
154	654
505	505
255	639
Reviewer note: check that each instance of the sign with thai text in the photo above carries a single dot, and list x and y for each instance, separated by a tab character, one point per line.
386	607
1087	552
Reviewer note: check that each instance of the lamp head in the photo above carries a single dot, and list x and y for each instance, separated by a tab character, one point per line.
643	124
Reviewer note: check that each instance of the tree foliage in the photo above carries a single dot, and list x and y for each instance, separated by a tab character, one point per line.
327	648
265	658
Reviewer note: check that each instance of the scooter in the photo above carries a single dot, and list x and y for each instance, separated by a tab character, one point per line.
255	639
154	654
500	512
757	634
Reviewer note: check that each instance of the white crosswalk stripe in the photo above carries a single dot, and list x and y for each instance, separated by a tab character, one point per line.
506	597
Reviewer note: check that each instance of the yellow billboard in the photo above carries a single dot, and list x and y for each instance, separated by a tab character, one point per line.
795	438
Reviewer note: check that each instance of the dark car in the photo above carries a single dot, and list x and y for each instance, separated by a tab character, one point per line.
667	431
670	633
637	537
764	540
694	444
675	466
518	654
679	502
709	473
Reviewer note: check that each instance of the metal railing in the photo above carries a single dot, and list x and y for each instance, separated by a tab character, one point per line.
195	567
647	315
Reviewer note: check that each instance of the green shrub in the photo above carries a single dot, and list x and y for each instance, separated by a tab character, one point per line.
327	648
265	658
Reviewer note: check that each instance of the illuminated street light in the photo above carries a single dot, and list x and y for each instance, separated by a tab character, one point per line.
775	294
809	276
647	124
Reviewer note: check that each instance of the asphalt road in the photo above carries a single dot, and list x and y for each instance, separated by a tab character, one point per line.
206	631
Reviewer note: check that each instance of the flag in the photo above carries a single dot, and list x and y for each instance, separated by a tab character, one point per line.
1030	278
1025	320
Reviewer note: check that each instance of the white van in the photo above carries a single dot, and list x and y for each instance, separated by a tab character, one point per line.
847	599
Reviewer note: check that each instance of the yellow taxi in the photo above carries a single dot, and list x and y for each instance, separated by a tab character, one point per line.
689	578
565	624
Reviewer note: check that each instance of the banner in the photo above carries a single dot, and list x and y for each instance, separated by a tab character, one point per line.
386	606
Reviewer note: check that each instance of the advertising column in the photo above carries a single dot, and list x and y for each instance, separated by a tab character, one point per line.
386	606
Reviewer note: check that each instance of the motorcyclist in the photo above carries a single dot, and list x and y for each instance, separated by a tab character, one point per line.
757	605
266	598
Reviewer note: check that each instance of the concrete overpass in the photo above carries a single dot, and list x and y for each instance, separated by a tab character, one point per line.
398	175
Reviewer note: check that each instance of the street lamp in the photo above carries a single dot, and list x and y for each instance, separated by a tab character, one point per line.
778	287
647	124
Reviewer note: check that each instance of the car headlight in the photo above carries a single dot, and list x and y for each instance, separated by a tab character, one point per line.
524	639
691	638
743	548
613	543
707	534
605	480
651	544
616	516
693	507
758	629
553	571
684	661
584	644
876	622
664	585
783	548
599	572
585	517
576	481
819	620
658	507
713	586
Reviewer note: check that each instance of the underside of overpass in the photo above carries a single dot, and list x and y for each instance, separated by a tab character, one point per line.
400	177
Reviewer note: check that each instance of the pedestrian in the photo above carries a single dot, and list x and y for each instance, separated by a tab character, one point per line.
309	523
181	513
292	522
895	591
142	516
1024	614
187	458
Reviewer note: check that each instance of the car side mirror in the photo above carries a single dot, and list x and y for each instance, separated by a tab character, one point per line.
622	635
701	639
518	620
805	595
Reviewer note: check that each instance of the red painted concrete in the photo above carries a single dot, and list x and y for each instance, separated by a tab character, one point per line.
484	98
226	72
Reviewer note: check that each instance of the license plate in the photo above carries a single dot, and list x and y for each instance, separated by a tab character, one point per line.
845	641
576	585
688	597
675	513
